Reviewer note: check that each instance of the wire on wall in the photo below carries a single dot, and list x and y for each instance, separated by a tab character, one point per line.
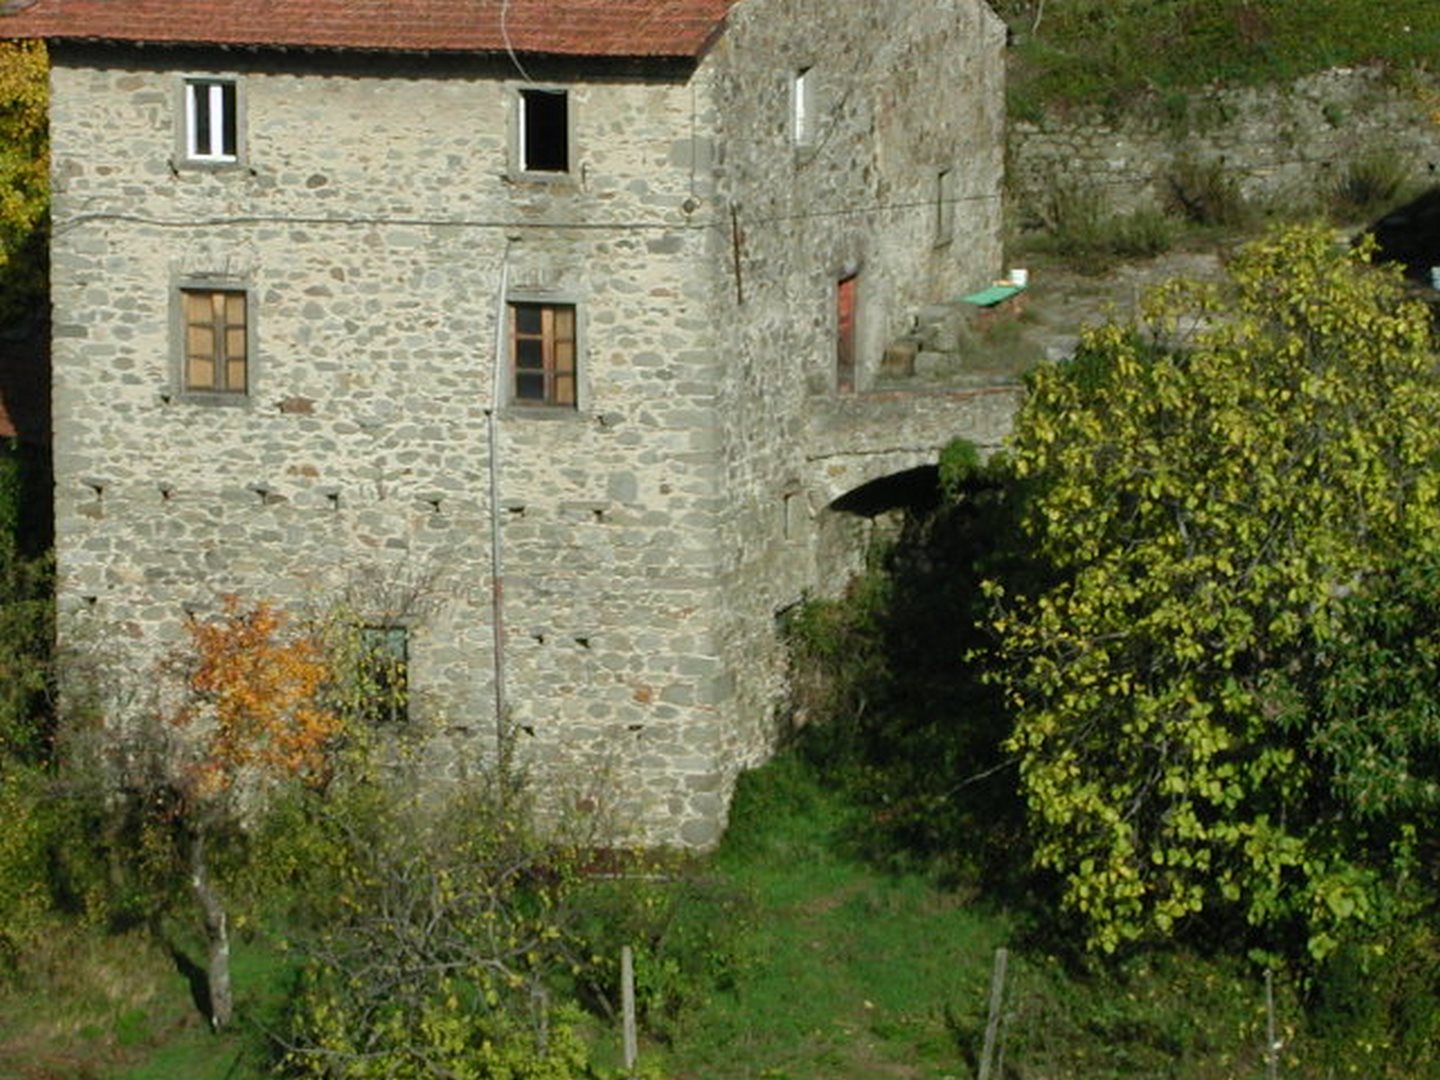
721	223
505	37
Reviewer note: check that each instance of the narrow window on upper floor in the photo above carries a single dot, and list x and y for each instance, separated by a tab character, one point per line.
216	356
542	355
845	334
944	206
802	107
212	120
544	131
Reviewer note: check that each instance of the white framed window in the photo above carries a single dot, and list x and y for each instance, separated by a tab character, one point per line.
212	120
802	107
544	127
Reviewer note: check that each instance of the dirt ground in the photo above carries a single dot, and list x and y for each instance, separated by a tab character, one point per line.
1063	301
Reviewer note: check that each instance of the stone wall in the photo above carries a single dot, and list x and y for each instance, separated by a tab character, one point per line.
901	92
644	539
1284	146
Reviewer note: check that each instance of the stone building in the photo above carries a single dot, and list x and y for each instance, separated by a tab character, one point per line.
515	325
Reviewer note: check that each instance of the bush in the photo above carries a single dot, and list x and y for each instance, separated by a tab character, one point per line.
449	930
24	844
688	937
1082	228
1206	193
1373	181
1143	234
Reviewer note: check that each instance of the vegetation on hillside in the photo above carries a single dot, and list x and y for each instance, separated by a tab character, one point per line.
1197	602
24	176
1163	682
1225	704
1108	52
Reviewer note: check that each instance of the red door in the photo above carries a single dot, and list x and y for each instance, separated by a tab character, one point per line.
845	335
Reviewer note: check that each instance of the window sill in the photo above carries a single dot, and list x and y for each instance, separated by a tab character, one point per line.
567	180
207	165
541	412
209	398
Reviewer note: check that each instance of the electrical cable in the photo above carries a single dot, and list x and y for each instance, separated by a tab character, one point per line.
74	221
505	37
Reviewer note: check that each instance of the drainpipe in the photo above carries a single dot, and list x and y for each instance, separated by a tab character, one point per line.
497	565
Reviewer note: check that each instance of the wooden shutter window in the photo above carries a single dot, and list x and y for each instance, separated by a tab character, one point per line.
542	354
216	341
845	335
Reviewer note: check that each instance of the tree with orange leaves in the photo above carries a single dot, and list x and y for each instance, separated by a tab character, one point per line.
251	715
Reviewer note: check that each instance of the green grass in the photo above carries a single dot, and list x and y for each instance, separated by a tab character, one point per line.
842	970
102	1006
860	973
1108	52
850	977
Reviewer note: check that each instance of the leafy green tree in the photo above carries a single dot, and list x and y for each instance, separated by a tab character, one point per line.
24	174
1226	700
25	632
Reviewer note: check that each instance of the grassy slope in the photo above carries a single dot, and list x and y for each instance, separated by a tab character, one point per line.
854	970
863	974
1110	51
107	1007
850	972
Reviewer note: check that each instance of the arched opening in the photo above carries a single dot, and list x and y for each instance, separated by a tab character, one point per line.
871	513
914	490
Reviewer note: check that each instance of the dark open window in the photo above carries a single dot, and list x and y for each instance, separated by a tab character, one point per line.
217	341
384	680
542	354
944	206
544	131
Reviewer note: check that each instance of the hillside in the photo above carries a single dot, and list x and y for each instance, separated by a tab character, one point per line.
1113	52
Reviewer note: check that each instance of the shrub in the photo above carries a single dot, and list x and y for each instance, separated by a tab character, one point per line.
1207	193
688	934
1084	229
24	896
1377	1007
1143	233
1371	182
450	929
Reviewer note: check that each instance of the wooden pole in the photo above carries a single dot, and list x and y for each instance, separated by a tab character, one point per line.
997	998
736	239
627	1005
1272	1049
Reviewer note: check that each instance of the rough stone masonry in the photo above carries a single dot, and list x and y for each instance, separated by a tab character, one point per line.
381	225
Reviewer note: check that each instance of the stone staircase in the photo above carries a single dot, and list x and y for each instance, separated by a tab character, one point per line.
959	344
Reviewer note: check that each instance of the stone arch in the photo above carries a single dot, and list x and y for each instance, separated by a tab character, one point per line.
872	511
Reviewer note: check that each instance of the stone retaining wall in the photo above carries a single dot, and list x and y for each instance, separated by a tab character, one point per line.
1283	145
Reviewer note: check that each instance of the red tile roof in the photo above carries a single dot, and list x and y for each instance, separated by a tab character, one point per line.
594	28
